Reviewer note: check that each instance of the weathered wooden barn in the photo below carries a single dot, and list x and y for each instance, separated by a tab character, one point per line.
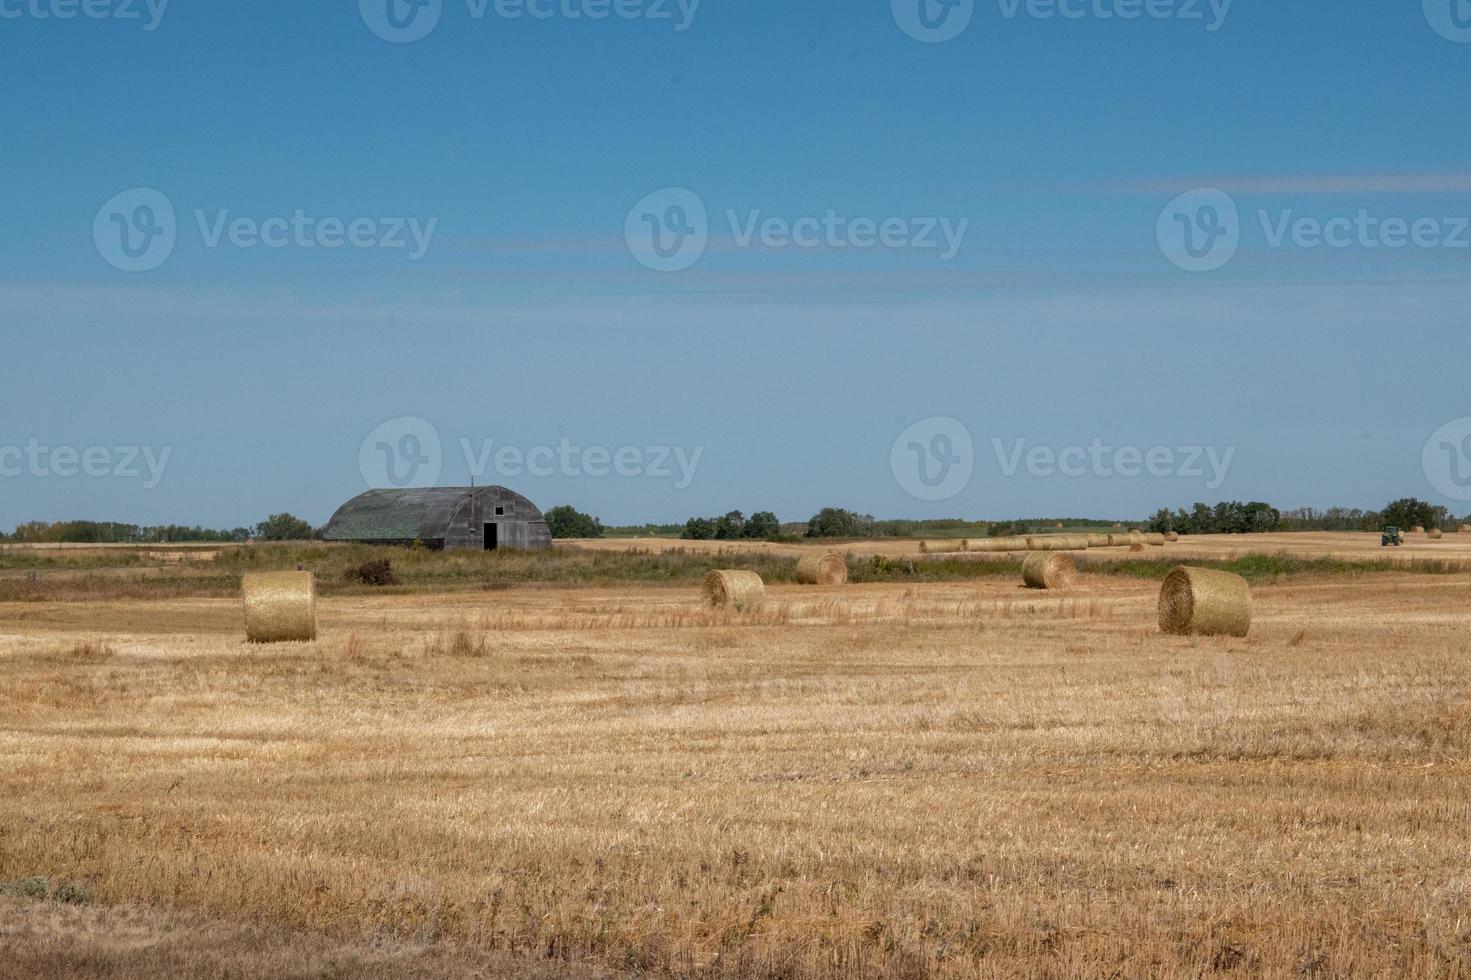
453	518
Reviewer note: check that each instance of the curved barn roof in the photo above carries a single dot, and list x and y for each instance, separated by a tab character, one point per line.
407	515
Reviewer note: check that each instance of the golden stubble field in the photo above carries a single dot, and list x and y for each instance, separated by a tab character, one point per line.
881	780
1314	544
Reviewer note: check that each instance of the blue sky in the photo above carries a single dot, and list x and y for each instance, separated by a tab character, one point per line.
1319	353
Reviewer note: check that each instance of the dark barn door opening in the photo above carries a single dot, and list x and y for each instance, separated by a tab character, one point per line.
492	537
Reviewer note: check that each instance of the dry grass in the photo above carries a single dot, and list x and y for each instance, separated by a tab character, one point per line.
878	780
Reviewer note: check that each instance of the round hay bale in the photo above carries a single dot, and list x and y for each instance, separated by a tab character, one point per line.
1099	540
1204	602
1436	534
828	569
1155	540
1057	542
1465	529
734	589
1417	529
280	607
1172	536
941	547
1049	570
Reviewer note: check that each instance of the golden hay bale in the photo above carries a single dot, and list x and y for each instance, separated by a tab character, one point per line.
1204	602
734	589
1057	542
828	569
280	607
1049	570
1465	529
1155	540
1099	540
1436	534
1172	536
1417	529
941	547
1005	544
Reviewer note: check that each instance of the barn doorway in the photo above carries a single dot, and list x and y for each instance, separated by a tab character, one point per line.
492	537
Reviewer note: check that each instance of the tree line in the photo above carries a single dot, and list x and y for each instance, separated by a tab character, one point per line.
277	527
1235	517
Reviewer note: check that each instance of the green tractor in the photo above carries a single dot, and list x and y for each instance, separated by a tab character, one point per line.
1391	536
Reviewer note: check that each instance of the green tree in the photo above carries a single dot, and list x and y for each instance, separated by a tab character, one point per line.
283	527
1409	512
569	522
698	529
834	522
731	526
763	525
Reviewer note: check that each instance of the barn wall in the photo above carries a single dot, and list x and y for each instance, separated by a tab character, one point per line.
521	526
